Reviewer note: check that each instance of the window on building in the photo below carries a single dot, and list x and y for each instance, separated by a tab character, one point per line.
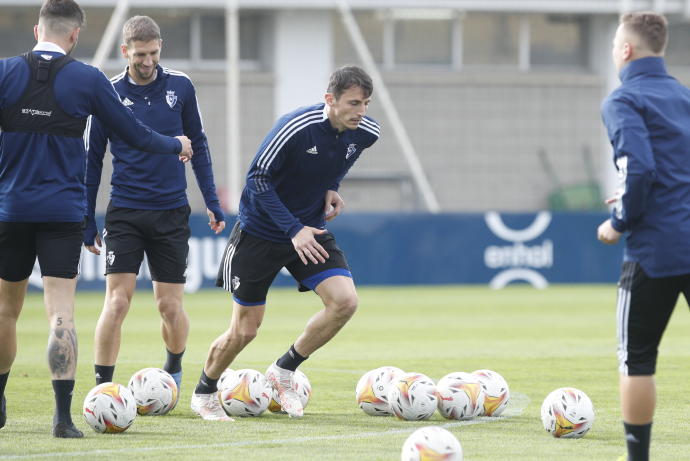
423	42
558	40
490	39
371	23
213	35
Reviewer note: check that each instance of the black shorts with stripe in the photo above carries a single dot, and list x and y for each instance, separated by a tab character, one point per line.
250	264
162	234
645	305
57	245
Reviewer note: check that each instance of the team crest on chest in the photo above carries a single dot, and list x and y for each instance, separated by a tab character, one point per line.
351	149
171	98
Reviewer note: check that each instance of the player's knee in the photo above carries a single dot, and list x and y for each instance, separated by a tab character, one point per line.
345	306
116	308
169	307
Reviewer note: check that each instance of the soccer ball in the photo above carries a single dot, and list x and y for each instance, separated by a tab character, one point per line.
567	413
110	408
431	442
245	393
496	390
302	387
412	396
154	390
372	390
460	396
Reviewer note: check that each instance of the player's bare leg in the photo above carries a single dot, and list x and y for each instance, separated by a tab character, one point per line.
58	296
340	303
119	291
244	327
11	301
638	399
174	325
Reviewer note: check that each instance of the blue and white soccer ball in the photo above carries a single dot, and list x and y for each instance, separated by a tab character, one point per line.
460	396
371	392
431	442
412	396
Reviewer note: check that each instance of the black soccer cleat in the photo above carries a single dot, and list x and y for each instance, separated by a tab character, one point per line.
64	430
3	412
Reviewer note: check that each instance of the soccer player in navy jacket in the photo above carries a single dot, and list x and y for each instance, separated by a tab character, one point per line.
648	123
148	211
291	191
45	99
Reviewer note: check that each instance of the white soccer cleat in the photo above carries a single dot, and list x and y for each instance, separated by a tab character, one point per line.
208	407
282	381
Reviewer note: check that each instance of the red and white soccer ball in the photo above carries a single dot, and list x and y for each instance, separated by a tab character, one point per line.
302	387
429	443
109	408
460	396
496	390
567	413
412	396
372	390
245	393
154	390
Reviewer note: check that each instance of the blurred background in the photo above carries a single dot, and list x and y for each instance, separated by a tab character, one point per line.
494	104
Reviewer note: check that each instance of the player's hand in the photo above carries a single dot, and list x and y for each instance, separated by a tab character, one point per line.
186	153
334	205
216	226
307	247
607	234
96	247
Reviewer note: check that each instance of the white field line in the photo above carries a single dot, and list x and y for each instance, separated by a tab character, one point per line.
518	402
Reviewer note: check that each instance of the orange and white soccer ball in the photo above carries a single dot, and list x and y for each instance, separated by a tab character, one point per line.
460	396
302	387
496	390
225	377
245	393
109	408
372	390
154	390
412	396
567	413
430	443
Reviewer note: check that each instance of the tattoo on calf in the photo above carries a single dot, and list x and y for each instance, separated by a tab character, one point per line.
62	352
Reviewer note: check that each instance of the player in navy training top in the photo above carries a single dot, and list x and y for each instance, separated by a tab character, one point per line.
291	191
148	211
45	99
648	123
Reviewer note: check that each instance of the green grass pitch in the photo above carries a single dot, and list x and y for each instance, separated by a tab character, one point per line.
538	340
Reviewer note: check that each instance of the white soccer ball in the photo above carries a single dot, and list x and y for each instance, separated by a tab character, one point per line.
431	442
460	396
302	387
412	396
154	390
372	390
567	413
109	408
496	390
245	393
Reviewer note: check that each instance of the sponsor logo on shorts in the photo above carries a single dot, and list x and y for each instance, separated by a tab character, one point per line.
110	257
235	282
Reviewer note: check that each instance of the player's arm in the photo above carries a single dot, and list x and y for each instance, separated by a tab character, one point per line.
260	186
633	157
106	105
201	162
95	141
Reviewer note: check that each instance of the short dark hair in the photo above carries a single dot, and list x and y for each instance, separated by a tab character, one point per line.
61	15
140	29
651	27
348	76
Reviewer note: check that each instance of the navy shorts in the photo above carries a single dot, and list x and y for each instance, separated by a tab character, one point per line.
57	245
250	264
645	305
162	234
